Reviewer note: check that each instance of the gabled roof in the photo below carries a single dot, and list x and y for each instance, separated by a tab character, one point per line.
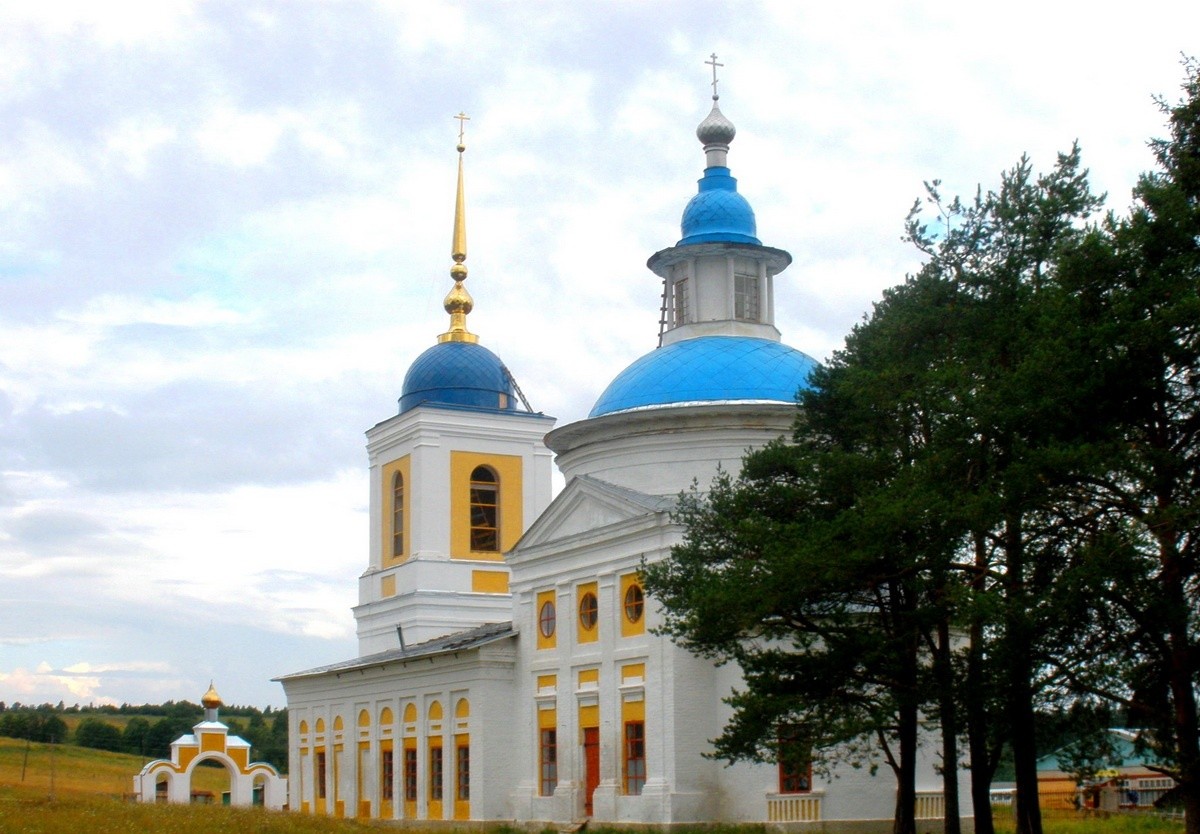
459	641
587	504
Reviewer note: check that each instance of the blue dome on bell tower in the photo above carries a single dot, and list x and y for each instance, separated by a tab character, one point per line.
718	214
459	375
458	372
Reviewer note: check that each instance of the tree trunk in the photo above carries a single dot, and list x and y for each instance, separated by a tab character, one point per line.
906	780
1181	675
978	737
1019	688
947	706
908	715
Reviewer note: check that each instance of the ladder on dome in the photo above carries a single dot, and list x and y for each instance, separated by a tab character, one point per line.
662	314
513	381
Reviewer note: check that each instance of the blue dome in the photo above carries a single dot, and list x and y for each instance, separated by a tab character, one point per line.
458	374
718	214
708	369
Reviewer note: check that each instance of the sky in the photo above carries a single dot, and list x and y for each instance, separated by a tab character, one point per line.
225	233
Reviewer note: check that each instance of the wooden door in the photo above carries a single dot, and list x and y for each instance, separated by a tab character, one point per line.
591	765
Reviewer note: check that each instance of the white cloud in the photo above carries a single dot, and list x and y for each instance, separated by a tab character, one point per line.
227	233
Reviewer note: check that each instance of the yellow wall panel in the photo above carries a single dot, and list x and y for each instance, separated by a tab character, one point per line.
633	672
585	634
489	581
629	626
545	641
511	517
386	473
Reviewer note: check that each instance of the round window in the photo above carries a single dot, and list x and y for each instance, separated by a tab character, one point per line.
546	619
588	611
635	603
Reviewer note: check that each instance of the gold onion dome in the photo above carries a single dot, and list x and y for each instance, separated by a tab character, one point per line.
211	699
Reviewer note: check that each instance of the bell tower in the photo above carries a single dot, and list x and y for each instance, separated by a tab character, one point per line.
456	476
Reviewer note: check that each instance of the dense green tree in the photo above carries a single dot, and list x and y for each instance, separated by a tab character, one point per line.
164	731
99	735
133	737
34	725
1137	575
917	501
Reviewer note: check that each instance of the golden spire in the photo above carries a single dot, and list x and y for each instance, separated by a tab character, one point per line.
458	301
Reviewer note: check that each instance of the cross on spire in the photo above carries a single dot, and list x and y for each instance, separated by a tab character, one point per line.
713	63
463	118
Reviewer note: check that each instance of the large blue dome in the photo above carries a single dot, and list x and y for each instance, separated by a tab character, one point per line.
458	374
709	369
718	214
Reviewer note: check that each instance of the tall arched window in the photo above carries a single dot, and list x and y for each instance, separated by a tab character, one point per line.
485	509
397	515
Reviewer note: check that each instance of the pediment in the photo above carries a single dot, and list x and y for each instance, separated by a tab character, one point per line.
587	504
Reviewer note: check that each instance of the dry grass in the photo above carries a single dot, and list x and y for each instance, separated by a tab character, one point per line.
32	813
90	786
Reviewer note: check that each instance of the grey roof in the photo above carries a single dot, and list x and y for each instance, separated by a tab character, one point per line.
459	641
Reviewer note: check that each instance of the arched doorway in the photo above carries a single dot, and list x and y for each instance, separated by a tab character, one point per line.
212	782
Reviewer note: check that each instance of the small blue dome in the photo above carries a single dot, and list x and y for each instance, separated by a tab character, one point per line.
458	374
718	214
708	369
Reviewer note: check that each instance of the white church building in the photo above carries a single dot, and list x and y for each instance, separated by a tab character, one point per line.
508	667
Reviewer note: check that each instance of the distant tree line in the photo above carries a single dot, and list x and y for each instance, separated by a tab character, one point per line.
149	732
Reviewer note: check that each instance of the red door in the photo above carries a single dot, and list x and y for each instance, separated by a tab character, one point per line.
591	765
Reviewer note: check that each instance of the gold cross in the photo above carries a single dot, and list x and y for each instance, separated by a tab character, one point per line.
463	118
713	63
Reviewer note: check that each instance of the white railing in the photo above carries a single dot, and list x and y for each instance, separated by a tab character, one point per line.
793	807
931	805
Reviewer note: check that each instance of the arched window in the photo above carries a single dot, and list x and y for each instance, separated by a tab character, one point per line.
397	515
485	510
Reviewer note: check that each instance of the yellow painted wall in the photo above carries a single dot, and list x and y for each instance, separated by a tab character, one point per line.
589	716
364	804
212	742
410	806
435	805
386	472
631	628
489	581
339	804
385	805
633	711
587	635
511	518
462	807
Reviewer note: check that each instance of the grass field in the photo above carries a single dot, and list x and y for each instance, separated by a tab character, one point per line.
90	789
